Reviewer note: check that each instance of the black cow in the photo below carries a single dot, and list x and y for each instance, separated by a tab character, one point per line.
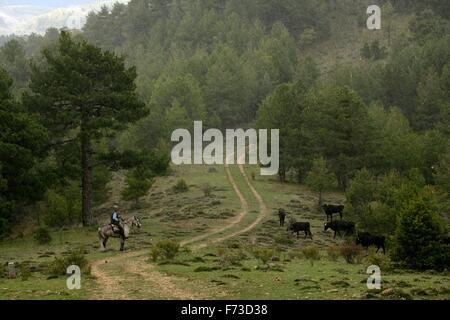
366	240
337	226
331	209
296	227
282	216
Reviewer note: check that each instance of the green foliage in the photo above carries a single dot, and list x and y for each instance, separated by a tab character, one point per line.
102	175
165	249
97	92
308	37
351	252
139	181
442	178
181	186
264	254
42	236
22	144
13	60
337	127
58	267
295	254
207	189
230	256
320	178
283	110
61	207
418	232
427	25
312	253
373	51
381	260
333	253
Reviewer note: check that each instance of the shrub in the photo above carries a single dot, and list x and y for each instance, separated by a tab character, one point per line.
380	260
42	236
333	253
312	253
295	254
417	235
230	257
58	267
207	189
55	209
351	252
139	181
181	186
284	240
166	249
264	254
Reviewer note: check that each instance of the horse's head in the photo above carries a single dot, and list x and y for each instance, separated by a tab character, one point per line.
136	222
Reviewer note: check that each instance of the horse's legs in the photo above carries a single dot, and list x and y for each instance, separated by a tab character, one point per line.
102	241
122	243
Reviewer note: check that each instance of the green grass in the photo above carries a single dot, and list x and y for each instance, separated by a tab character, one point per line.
300	280
177	216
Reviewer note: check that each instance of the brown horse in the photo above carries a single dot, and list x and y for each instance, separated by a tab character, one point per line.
107	231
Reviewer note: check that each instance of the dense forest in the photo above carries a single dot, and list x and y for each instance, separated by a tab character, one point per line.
372	122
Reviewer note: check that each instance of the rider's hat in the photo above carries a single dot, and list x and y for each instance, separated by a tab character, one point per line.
116	207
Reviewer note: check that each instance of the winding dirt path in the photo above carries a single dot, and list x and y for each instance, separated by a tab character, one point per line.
134	264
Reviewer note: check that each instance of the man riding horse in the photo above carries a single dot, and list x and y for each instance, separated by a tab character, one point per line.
117	228
116	220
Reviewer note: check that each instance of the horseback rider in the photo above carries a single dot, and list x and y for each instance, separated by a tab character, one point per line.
116	220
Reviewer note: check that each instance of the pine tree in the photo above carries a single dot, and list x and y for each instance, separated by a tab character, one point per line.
320	178
83	93
139	181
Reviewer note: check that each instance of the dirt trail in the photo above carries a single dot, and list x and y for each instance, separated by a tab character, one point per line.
133	263
244	206
230	223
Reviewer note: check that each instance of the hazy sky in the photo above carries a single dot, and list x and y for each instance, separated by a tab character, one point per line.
45	3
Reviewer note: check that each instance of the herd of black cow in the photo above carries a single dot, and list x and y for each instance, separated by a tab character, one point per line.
340	227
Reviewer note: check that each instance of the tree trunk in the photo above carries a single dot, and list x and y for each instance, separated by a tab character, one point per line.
86	185
282	175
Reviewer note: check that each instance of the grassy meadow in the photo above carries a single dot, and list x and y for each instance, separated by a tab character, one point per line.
263	263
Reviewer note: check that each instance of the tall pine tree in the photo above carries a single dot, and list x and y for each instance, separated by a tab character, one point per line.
83	93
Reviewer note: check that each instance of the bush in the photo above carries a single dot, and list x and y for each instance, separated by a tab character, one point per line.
58	267
380	260
166	249
230	257
333	253
312	253
264	254
418	232
295	254
55	209
42	236
181	186
138	183
207	189
284	240
351	252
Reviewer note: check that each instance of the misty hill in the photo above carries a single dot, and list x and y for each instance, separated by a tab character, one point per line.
24	20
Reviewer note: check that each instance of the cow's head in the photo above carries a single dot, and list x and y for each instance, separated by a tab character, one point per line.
326	226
